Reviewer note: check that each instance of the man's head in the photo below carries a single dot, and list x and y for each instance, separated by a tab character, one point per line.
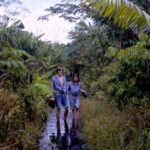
59	70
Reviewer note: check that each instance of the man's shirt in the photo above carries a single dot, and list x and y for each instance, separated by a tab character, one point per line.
57	86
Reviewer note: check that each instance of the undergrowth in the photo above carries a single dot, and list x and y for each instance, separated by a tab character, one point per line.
20	127
106	128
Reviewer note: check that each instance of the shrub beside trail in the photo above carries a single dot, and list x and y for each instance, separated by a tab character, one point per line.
17	129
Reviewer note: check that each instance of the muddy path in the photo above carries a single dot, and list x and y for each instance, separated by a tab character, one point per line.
60	136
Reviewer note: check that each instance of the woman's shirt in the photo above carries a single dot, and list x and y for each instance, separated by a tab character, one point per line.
74	88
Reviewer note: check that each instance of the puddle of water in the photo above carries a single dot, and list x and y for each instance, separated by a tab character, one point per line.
61	136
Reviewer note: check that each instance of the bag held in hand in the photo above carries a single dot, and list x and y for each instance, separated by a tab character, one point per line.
84	94
51	102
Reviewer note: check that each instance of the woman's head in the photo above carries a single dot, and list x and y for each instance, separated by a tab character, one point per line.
75	77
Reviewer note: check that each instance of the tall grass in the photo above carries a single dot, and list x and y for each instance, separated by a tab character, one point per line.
106	128
100	125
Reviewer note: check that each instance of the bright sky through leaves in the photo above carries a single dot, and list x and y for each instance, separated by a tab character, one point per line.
56	29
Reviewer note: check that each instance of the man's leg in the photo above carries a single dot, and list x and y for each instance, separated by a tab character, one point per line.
58	115
66	113
65	105
58	106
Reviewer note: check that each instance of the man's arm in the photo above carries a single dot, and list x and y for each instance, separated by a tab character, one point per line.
66	84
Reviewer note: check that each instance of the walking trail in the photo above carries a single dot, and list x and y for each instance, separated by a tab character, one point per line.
60	136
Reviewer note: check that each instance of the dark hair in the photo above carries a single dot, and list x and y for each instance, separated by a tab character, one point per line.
75	75
59	68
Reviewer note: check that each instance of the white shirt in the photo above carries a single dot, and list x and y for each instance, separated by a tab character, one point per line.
61	80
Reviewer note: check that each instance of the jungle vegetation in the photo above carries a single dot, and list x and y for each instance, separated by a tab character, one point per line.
112	55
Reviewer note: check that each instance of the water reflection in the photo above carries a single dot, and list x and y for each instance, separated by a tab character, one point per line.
69	140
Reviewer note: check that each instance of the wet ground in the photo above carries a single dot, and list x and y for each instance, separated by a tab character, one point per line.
60	136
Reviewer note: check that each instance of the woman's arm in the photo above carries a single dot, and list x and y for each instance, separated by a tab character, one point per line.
81	90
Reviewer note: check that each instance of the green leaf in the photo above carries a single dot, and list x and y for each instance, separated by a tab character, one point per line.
124	13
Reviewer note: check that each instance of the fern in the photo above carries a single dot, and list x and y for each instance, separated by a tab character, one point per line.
12	59
39	86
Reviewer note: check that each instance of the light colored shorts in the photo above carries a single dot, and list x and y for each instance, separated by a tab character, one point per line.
61	100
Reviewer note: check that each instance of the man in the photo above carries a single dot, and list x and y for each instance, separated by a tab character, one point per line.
59	89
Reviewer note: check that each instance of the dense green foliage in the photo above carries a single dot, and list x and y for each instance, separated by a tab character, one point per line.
127	78
112	56
26	65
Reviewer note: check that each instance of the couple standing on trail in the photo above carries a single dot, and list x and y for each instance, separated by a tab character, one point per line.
61	91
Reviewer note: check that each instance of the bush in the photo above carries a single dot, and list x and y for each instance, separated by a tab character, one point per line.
21	119
127	78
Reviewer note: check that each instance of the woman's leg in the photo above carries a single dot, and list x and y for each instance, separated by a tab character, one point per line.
74	118
77	113
77	105
74	113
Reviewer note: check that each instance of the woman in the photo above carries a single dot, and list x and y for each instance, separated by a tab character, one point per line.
74	92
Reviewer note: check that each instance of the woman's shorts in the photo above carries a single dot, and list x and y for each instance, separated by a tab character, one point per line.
74	102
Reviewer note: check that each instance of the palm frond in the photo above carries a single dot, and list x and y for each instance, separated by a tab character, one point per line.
123	13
